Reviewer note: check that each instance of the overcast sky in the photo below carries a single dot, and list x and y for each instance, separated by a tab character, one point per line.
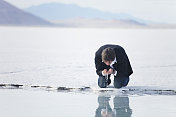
154	10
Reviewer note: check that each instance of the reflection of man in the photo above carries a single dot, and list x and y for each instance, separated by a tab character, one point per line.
112	59
121	107
104	109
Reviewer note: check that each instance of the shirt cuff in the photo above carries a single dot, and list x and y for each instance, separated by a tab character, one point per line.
115	72
103	73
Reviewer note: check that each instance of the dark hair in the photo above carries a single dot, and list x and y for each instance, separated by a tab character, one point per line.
108	54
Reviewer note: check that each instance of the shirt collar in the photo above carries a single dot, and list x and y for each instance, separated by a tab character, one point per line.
114	61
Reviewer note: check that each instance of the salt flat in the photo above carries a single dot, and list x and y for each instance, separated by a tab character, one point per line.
64	57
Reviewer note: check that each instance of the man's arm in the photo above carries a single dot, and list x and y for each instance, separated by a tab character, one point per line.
99	65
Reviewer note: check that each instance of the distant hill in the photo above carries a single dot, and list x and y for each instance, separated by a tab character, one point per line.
10	15
98	23
59	11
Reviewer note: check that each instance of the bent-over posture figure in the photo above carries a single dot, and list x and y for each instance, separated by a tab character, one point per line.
112	59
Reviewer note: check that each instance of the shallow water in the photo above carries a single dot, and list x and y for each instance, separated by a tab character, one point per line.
20	103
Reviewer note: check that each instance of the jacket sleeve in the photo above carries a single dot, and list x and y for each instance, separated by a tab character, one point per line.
99	65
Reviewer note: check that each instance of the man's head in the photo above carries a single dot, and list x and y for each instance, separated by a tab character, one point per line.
108	55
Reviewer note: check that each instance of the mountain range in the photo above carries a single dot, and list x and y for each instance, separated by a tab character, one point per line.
70	15
60	11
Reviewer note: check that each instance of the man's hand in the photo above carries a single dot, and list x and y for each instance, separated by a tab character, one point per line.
105	72
110	71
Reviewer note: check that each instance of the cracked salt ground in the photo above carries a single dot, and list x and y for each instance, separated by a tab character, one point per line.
111	90
31	56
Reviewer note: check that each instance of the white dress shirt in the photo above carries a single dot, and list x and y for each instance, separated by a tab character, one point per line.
111	65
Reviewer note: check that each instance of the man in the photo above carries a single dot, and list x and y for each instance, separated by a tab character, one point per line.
112	59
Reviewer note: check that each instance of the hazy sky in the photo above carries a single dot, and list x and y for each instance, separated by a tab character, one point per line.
154	10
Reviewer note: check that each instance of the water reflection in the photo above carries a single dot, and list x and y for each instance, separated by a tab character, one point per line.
121	107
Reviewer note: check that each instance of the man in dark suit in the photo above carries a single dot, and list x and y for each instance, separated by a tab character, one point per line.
112	59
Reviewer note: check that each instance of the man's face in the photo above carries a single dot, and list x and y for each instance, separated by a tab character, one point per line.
108	62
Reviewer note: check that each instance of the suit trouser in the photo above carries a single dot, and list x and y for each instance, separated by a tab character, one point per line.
119	82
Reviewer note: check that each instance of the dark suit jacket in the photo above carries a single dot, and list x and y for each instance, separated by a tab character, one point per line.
122	66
